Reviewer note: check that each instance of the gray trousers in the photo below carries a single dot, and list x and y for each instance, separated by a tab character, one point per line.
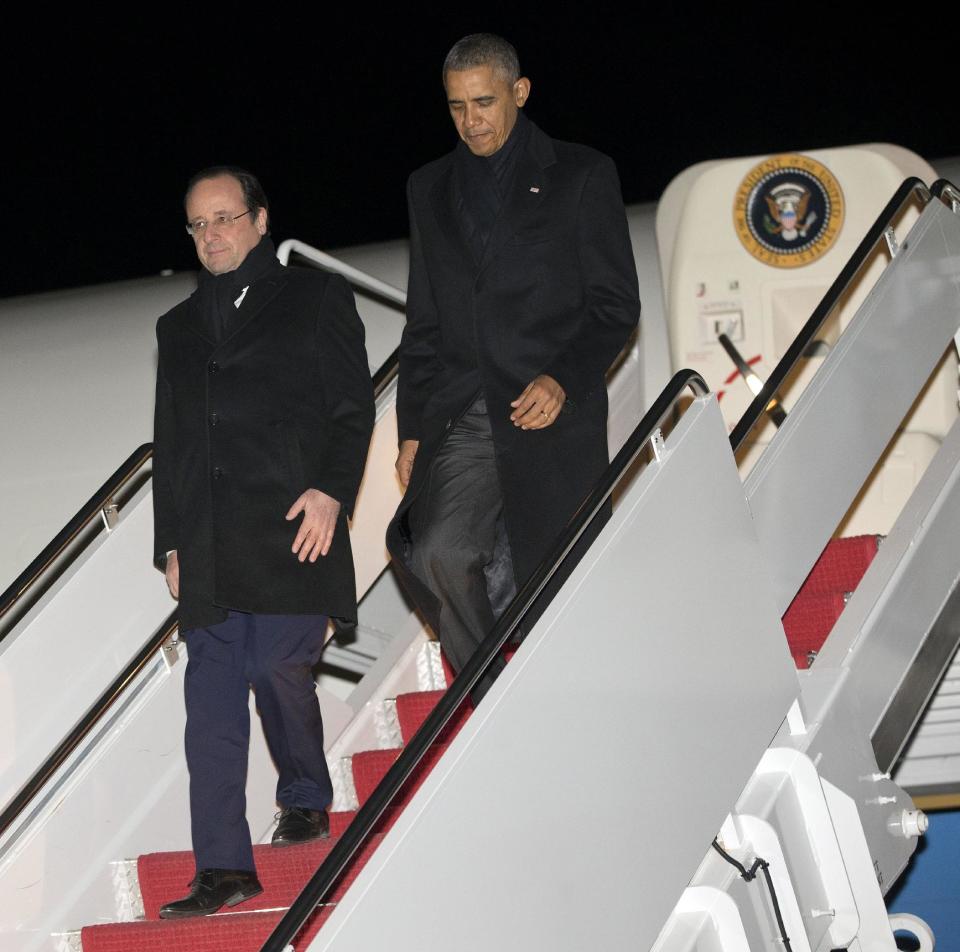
460	549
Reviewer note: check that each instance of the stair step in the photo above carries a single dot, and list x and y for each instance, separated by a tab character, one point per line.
371	766
808	621
841	565
282	872
814	611
126	890
431	674
413	709
238	932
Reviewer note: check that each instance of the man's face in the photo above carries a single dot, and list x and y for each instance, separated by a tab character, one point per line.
484	106
222	248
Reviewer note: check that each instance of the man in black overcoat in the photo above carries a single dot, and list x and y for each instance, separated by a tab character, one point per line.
522	291
264	411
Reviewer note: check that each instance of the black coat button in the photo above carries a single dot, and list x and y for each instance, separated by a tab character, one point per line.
214	418
217	472
213	367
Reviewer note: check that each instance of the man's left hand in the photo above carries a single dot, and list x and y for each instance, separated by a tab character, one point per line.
315	535
539	404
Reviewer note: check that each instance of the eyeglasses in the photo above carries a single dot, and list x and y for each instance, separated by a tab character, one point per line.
196	229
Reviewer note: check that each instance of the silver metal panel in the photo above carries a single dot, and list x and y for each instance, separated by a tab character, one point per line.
900	629
931	761
571	810
75	642
884	658
837	740
806	479
882	632
653	345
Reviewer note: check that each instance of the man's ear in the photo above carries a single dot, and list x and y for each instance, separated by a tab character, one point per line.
521	91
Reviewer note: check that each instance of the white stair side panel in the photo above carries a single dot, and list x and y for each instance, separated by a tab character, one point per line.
80	636
705	920
674	592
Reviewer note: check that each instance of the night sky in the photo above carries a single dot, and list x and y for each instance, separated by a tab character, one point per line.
106	121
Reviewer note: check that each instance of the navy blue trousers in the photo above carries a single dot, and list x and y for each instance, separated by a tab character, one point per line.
273	654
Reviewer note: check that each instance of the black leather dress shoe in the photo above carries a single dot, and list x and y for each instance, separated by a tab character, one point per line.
298	825
211	889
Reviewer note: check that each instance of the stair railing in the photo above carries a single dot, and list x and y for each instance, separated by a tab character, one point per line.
358	278
947	192
881	230
163	638
646	432
101	504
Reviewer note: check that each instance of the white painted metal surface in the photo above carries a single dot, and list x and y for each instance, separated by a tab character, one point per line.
76	379
820	867
75	643
514	789
711	282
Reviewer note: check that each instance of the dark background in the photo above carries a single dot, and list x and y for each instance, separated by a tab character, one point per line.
105	121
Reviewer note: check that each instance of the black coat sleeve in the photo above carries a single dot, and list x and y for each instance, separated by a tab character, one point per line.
419	359
165	522
348	393
609	276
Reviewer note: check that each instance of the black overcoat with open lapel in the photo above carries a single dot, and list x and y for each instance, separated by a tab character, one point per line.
283	403
554	293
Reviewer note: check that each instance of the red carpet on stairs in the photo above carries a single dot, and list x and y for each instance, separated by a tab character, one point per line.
236	932
817	606
370	767
841	565
284	872
413	709
808	621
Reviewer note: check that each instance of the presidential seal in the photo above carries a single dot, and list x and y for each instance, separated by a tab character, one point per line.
788	211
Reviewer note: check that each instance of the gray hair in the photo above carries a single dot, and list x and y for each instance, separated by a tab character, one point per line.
483	49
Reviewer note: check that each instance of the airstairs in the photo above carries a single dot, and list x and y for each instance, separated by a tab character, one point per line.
704	783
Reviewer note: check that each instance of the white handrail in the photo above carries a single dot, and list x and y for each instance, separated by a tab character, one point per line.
353	275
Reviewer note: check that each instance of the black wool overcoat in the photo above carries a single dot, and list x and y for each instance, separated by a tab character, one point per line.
243	426
555	293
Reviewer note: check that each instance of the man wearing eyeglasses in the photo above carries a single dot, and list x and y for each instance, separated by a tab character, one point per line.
264	411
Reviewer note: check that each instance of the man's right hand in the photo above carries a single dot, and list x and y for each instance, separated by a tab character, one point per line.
408	450
172	573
